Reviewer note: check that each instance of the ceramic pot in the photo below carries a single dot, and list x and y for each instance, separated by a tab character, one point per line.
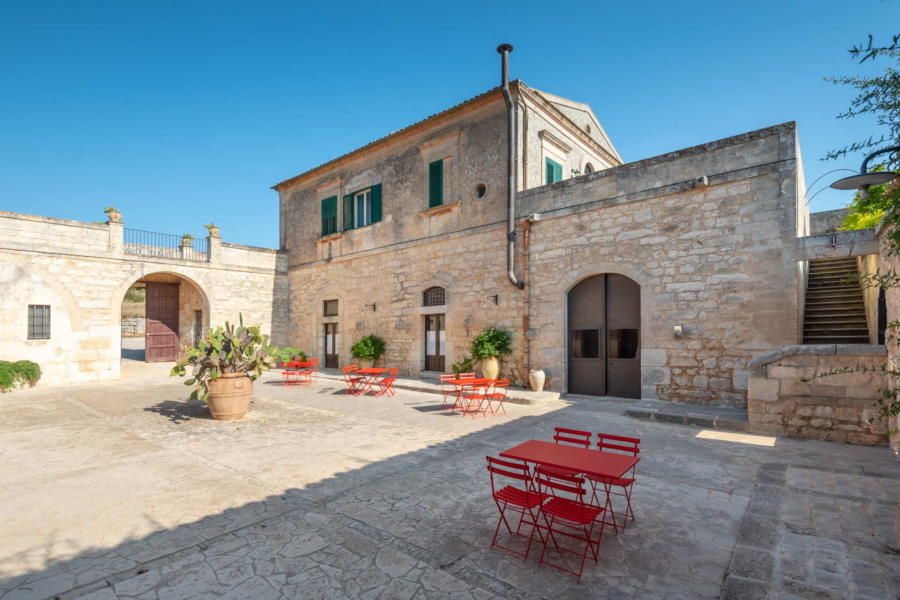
490	367
365	363
536	378
114	216
229	396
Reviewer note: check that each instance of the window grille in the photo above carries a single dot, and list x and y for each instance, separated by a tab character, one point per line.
434	296
38	321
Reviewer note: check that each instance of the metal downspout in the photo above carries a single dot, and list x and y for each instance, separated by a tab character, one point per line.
504	50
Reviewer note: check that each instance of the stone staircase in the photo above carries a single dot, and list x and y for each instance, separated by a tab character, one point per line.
835	313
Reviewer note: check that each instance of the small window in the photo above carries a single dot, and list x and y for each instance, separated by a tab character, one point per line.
480	190
329	216
436	183
586	343
623	343
554	171
434	296
38	321
362	203
588	169
330	308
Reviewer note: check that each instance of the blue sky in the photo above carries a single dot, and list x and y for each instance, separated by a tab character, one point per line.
179	113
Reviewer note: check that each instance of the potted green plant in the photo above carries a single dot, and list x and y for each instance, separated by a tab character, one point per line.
213	229
287	354
488	347
224	365
186	239
367	350
463	366
113	214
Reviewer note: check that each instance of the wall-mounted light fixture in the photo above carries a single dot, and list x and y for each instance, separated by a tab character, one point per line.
576	172
372	306
495	298
679	332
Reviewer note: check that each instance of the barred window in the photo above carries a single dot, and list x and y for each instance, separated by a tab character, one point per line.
38	321
331	308
434	296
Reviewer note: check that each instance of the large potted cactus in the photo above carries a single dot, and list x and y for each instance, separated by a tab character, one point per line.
224	365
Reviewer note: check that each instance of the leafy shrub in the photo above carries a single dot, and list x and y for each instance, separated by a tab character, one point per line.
493	342
463	366
287	354
225	350
369	347
20	372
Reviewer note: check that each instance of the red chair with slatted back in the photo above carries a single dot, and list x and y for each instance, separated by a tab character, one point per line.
568	437
515	499
385	385
621	445
497	396
449	391
355	383
567	514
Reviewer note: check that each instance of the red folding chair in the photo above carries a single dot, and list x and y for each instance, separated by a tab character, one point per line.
355	384
497	396
568	437
525	502
566	514
385	385
292	373
448	390
473	398
622	445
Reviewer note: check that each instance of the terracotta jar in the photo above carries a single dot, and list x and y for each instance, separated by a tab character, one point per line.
229	396
490	367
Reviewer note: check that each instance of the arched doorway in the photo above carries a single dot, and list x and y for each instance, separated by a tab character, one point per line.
604	336
162	314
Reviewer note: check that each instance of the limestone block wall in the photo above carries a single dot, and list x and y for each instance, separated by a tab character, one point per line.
890	263
80	269
835	408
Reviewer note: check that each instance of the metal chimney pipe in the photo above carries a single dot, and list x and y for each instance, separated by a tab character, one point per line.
504	50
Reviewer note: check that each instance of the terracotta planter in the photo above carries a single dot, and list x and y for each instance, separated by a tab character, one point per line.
536	379
365	363
490	367
114	217
229	396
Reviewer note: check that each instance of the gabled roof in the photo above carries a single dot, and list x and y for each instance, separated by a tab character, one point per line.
602	138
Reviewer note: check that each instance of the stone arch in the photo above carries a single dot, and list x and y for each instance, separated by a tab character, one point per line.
115	308
40	273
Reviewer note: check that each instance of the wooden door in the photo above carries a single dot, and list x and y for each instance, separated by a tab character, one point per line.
161	342
434	343
331	346
623	337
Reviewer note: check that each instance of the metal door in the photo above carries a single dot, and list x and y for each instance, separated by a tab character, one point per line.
331	346
434	343
604	337
161	341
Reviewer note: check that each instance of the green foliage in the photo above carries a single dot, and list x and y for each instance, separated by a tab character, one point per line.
288	354
463	366
187	236
211	226
225	350
867	210
369	347
136	294
110	209
493	342
20	372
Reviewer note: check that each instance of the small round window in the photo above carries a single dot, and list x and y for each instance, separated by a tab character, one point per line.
480	190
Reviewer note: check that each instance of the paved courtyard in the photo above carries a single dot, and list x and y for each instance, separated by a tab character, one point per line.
122	490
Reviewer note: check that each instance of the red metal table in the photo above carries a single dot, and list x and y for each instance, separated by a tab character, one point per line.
460	383
582	460
371	374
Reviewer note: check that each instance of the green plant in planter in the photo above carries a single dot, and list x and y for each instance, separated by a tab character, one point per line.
187	236
287	354
225	350
463	366
493	342
20	372
110	209
369	347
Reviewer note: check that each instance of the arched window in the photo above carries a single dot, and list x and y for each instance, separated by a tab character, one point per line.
588	169
434	296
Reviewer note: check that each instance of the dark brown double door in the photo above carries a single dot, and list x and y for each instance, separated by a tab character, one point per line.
435	343
604	337
161	341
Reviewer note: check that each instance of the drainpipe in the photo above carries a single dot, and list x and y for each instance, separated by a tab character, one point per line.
504	50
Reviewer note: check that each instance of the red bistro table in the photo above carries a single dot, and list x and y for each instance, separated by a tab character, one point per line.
582	460
371	374
460	383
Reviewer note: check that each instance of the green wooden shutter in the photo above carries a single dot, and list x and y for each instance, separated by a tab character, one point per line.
553	171
436	183
376	203
348	211
557	172
329	215
548	168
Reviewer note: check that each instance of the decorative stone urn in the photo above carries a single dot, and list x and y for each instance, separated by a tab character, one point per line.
536	378
113	215
229	396
490	367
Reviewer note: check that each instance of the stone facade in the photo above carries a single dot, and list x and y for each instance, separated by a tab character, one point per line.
707	232
790	396
82	271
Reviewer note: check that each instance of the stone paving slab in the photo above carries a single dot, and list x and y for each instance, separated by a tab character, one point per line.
715	417
319	495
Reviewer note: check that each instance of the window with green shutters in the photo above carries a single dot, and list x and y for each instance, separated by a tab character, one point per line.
362	207
329	216
436	183
554	171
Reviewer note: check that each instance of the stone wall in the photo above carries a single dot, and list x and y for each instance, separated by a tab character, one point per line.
835	408
826	221
890	263
134	326
81	271
708	232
